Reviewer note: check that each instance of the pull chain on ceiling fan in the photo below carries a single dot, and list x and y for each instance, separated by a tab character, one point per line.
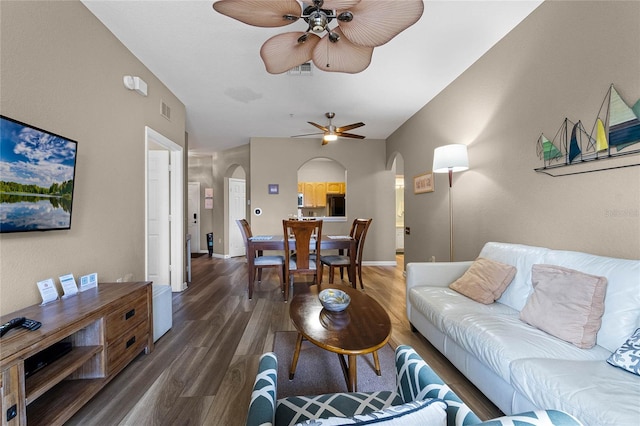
360	26
330	132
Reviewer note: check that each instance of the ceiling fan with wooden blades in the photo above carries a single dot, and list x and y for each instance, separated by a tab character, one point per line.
340	34
331	133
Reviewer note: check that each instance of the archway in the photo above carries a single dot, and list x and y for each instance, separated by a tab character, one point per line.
396	164
322	188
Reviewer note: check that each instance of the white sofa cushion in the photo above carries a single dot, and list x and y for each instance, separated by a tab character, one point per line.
622	300
523	258
597	393
493	333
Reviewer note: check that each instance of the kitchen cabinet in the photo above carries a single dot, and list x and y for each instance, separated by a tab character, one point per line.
335	188
320	194
315	194
308	192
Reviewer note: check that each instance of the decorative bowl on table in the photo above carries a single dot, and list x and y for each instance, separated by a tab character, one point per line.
334	300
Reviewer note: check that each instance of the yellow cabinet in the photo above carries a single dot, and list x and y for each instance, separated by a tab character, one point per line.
335	187
320	194
315	193
309	195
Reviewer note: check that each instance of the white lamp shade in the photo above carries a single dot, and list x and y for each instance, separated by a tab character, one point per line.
450	157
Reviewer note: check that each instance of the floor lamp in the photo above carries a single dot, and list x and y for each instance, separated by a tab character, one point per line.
449	159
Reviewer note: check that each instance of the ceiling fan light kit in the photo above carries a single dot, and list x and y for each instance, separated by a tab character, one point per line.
359	26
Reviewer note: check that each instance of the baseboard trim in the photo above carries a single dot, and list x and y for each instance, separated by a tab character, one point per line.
379	263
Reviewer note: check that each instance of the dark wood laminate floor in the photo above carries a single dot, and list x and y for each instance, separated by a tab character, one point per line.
201	372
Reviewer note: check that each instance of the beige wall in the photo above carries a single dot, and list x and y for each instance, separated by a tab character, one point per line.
558	63
61	70
370	187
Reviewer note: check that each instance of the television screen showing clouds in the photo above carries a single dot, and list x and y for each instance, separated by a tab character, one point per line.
37	170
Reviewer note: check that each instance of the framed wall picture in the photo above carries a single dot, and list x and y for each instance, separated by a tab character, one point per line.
274	188
423	183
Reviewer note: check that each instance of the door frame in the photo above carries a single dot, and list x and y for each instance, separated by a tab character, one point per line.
230	220
158	231
176	214
195	239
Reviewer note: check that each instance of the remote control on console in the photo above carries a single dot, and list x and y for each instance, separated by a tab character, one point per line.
30	324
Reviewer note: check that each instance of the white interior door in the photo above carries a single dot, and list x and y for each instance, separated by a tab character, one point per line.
193	215
237	210
175	261
159	227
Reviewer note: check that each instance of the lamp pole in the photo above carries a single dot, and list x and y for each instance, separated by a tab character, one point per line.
450	215
449	159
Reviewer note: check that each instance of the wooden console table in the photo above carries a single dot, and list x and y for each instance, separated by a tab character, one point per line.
107	327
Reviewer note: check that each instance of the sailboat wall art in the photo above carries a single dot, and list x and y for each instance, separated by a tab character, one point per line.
614	136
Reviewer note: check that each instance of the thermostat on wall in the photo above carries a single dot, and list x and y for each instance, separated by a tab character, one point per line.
257	211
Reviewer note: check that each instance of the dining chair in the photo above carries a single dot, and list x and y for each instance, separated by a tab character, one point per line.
359	229
306	237
260	262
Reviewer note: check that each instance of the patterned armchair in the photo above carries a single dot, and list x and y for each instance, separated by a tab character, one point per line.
421	397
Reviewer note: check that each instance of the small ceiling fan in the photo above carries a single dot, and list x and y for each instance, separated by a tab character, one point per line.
360	25
331	133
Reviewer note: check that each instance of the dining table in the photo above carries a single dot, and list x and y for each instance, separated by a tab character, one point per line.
260	243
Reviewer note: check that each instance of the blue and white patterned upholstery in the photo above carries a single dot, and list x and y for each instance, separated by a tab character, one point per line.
263	398
431	412
415	381
296	409
627	356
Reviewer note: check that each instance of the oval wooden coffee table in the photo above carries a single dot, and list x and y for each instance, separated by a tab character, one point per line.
362	328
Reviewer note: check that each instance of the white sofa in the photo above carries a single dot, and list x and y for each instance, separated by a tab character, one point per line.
518	367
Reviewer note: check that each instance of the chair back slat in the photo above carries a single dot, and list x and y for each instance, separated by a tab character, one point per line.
303	231
245	230
359	229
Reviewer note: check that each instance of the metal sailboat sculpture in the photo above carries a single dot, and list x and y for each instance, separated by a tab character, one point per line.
615	133
566	146
617	124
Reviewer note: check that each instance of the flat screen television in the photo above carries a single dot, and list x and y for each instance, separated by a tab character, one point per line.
37	171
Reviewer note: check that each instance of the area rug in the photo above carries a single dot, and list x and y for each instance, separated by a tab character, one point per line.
319	371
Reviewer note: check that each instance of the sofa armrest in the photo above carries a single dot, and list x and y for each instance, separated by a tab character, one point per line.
432	274
535	418
416	381
435	274
262	408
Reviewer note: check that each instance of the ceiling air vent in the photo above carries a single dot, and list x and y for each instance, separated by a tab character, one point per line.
302	69
165	110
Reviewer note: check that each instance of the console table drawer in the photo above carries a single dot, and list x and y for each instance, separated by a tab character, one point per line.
126	317
123	350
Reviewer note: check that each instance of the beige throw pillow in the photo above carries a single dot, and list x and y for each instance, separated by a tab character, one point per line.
485	280
565	303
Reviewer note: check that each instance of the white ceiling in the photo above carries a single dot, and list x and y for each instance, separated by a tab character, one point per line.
212	64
